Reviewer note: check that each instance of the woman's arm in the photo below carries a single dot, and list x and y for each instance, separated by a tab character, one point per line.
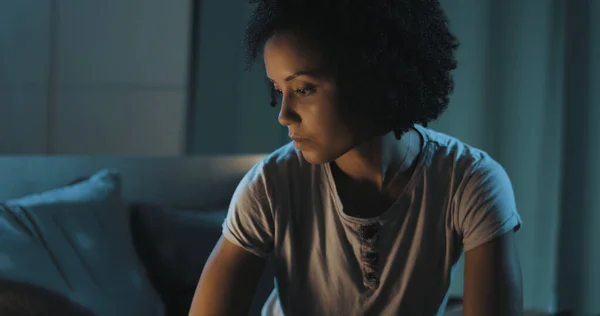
493	285
228	281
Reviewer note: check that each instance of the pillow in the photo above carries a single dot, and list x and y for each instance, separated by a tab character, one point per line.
24	299
174	244
76	241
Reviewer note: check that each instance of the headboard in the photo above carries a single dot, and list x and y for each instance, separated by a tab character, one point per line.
183	181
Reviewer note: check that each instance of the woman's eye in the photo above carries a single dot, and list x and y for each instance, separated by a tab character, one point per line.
307	90
275	90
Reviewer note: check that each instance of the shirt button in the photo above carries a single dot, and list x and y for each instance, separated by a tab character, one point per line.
371	276
368	232
372	258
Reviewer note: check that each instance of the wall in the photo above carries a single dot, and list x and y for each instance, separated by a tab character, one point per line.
93	77
592	245
508	100
24	64
579	261
231	107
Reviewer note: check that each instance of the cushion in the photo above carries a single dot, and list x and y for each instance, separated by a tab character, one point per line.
174	244
76	241
25	299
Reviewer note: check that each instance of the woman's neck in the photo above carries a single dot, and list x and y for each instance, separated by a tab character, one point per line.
379	159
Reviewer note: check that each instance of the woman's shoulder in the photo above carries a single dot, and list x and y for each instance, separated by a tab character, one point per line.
272	177
451	150
287	159
285	162
450	155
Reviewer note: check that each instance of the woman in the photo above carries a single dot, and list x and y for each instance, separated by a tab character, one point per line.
367	211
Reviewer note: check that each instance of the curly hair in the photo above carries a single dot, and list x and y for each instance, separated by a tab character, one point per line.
400	52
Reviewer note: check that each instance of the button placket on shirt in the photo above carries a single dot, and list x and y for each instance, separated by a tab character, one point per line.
369	235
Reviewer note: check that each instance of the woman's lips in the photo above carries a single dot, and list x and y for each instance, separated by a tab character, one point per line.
299	141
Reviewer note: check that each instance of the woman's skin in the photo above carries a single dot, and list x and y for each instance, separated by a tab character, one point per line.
311	111
365	159
326	132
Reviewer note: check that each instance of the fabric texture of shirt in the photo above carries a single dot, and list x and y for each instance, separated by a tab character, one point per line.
398	263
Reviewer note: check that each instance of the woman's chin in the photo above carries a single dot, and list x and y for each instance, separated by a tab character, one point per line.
316	157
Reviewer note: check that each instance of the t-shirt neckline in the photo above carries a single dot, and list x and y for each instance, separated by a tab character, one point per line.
404	196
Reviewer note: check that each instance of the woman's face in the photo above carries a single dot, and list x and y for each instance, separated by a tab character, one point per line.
309	101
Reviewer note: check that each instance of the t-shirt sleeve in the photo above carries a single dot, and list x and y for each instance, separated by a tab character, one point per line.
249	220
486	209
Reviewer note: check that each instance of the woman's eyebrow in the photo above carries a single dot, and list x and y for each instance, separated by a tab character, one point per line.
310	73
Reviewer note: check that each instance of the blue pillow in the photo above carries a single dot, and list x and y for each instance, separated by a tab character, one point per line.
76	241
174	244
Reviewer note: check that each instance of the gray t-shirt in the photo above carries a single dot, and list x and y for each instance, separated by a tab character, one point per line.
398	263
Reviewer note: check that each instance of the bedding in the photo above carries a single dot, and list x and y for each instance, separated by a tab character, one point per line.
75	241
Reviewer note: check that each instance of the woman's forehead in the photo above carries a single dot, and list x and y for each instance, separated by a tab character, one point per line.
292	46
290	53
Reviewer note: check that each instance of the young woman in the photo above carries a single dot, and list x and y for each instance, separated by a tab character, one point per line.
367	211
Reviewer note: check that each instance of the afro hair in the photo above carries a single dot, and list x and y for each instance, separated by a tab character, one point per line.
400	52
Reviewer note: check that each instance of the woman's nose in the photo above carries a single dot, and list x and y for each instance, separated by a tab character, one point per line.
287	115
